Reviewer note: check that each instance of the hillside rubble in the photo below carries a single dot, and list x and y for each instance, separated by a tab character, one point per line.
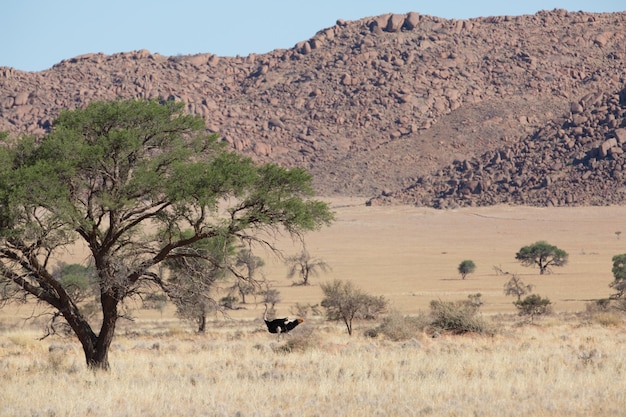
377	105
576	160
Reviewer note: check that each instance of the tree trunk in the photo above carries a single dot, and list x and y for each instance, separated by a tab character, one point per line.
348	323
99	357
95	348
83	332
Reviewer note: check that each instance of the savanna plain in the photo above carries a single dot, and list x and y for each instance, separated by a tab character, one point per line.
569	363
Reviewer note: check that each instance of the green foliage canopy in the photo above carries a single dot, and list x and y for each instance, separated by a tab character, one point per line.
533	305
124	178
542	254
619	274
466	267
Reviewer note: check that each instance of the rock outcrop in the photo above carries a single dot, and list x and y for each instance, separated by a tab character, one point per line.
576	160
369	106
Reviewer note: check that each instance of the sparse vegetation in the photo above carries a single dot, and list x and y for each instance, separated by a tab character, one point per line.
397	327
516	287
533	305
457	317
303	310
305	266
237	365
343	301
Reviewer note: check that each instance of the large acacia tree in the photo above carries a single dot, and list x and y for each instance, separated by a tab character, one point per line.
123	179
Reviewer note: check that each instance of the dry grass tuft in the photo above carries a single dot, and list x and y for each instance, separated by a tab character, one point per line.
398	327
565	369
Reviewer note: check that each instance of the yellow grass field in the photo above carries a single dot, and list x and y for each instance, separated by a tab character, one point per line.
564	365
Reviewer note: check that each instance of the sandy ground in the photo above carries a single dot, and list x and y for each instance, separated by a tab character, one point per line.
410	255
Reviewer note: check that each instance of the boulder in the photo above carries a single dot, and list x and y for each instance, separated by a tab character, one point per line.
412	20
21	99
395	23
606	146
620	136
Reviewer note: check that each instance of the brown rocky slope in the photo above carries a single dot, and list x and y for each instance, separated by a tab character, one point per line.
375	106
577	160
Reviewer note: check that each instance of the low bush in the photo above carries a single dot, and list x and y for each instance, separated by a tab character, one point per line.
397	327
457	317
608	318
299	341
534	305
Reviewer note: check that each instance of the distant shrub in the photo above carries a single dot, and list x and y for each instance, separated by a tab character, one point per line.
608	318
619	273
397	327
606	312
475	299
343	301
516	287
456	316
601	305
466	267
533	305
229	301
154	301
303	310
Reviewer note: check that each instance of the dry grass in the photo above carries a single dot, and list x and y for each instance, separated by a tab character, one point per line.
566	365
557	369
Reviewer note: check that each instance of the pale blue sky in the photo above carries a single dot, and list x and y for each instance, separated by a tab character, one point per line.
41	33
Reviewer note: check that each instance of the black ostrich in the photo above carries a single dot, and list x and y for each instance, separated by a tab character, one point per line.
280	326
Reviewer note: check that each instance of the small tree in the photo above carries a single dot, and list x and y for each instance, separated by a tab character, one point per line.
619	275
249	265
271	296
533	305
542	254
516	287
194	273
305	266
343	301
466	267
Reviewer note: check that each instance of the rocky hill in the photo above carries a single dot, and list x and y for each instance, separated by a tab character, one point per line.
575	160
397	108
